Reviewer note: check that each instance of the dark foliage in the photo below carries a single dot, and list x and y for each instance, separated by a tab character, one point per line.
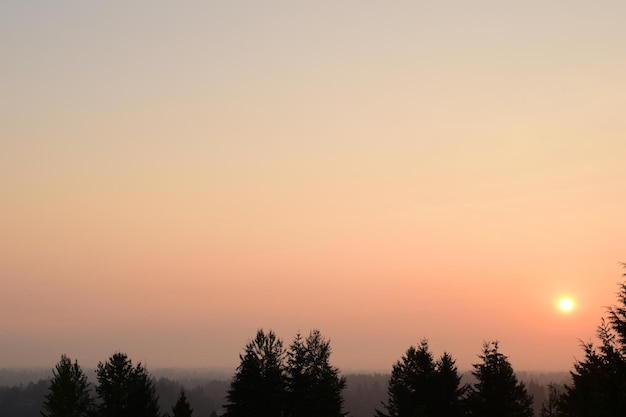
497	392
182	407
258	387
125	390
551	407
69	392
273	382
599	380
419	386
314	387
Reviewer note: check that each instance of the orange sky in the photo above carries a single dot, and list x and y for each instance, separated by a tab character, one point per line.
174	177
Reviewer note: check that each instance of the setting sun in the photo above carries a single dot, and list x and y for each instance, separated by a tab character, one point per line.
210	169
566	304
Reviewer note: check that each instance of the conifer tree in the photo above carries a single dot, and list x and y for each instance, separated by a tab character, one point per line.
69	392
182	407
125	390
314	386
421	386
497	392
599	380
551	407
447	396
258	387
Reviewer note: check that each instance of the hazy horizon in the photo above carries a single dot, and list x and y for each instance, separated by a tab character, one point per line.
194	374
174	177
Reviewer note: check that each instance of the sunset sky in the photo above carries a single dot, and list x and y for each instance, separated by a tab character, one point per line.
176	175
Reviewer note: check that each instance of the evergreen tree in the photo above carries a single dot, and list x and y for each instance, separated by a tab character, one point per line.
551	407
497	393
599	381
182	407
447	396
258	387
125	390
617	321
314	387
69	394
297	378
421	387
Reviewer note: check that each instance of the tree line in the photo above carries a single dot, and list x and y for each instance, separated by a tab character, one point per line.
299	381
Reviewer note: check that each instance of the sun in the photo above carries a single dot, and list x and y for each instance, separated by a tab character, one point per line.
566	304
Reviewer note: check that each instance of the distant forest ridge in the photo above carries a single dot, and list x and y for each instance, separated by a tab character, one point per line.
191	377
207	387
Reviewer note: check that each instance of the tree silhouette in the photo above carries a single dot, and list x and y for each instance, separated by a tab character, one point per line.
449	390
182	407
599	380
617	319
314	387
551	407
419	386
69	394
125	390
497	393
258	387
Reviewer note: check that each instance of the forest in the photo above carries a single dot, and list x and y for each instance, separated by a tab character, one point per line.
298	380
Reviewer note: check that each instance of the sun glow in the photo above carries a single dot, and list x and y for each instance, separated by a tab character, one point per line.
565	304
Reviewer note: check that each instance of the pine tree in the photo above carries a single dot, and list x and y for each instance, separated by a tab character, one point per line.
258	387
69	392
551	407
314	386
125	390
599	380
182	407
447	396
421	386
497	393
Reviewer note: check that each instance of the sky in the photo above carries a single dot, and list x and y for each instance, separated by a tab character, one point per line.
175	176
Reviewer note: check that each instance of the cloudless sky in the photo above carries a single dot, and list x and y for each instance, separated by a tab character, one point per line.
174	176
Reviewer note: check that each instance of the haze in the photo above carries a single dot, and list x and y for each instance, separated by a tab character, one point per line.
175	176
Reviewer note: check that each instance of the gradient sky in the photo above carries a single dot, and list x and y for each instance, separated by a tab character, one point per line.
175	176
